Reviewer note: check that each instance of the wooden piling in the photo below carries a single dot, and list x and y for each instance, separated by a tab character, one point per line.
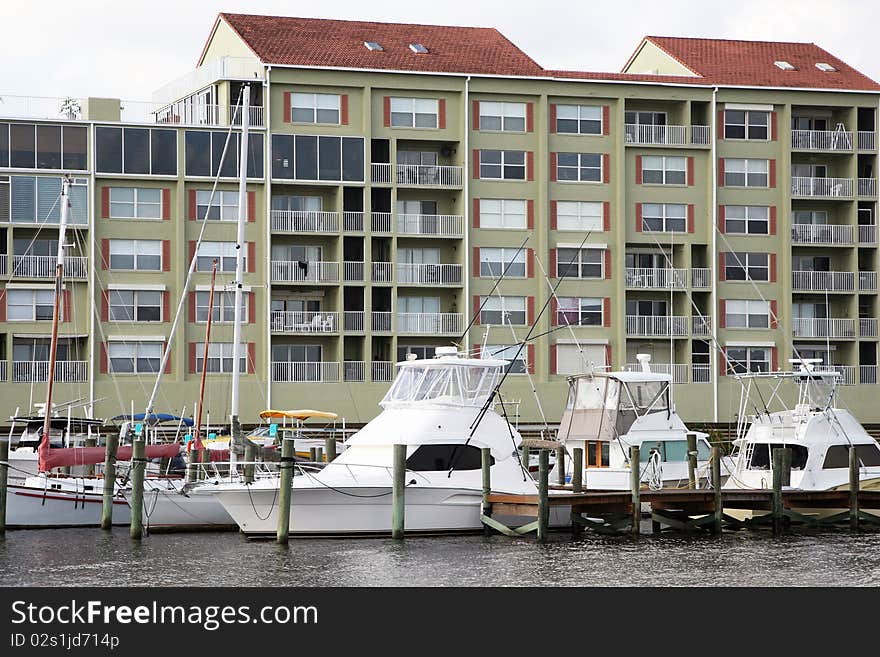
692	460
138	465
398	492
635	484
543	492
577	470
777	509
560	465
250	455
313	454
89	470
4	477
319	454
112	443
285	489
715	478
853	488
524	455
486	509
330	449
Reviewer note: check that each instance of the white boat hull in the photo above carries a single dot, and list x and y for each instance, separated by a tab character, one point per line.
28	507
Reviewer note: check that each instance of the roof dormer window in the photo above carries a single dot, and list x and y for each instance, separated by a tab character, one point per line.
827	68
785	66
372	45
418	48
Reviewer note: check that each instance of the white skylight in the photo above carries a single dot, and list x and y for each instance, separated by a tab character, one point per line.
828	68
418	47
372	45
785	66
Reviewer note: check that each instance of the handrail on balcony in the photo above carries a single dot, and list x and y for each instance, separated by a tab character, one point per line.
431	323
305	221
295	321
380	321
822	140
822	233
442	225
353	320
867	140
657	325
67	371
381	371
353	272
667	135
428	274
868	327
380	222
701	373
295	271
823	187
700	134
664	278
428	175
821	281
701	325
867	281
868	374
867	234
38	266
353	371
823	327
352	222
305	372
701	277
382	272
867	187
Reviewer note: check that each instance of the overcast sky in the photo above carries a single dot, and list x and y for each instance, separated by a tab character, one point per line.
125	49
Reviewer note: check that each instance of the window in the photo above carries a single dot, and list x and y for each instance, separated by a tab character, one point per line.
135	203
579	215
503	213
652	119
598	454
579	311
579	263
825	67
662	170
837	456
42	146
224	307
136	255
507	117
516	354
36	199
503	310
223	252
664	217
747	267
503	165
414	112
746	124
204	154
494	260
647	308
747	219
314	108
224	206
372	45
311	157
785	66
441	458
747	313
421	352
579	119
136	151
746	173
813	217
741	360
135	305
418	48
579	167
32	305
134	357
298	203
220	357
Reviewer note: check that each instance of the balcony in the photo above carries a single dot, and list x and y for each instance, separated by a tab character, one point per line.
353	371
822	281
3	370
678	371
821	140
701	373
867	234
652	279
305	372
868	374
416	175
353	321
432	275
382	272
867	281
867	327
294	271
29	266
867	187
822	187
381	371
305	221
205	114
826	234
353	272
657	326
430	323
867	141
431	225
701	326
701	278
380	222
380	321
665	135
288	321
221	68
68	371
353	222
804	327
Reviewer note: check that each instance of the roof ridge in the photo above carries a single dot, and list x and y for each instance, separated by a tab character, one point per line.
684	38
359	22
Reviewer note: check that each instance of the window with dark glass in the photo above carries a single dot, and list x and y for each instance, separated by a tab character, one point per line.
306	157
439	458
22	146
163	152
746	124
48	146
108	150
282	156
309	157
747	266
75	147
329	158
579	167
136	150
4	144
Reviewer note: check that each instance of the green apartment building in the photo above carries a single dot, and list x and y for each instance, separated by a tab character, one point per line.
712	194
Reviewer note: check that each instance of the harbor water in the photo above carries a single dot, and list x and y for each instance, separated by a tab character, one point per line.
90	557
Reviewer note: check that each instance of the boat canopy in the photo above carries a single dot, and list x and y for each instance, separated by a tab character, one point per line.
155	418
75	424
74	456
447	380
302	414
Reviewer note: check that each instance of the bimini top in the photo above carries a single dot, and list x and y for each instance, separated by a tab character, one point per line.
628	377
301	414
156	418
447	380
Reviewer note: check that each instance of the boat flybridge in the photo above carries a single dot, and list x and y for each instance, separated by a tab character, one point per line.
432	407
609	412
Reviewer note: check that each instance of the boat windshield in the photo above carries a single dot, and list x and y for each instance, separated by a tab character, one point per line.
592	405
645	397
466	385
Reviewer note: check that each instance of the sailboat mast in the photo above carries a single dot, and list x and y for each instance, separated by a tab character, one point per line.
197	440
239	276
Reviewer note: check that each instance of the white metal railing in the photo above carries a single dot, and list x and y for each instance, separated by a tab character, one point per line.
380	321
822	327
442	225
4	262
305	221
645	278
382	272
380	222
665	325
866	140
67	371
701	326
847	373
428	175
353	222
824	187
433	323
867	327
868	374
655	134
408	273
867	281
867	187
353	370
867	234
822	140
255	115
352	272
701	373
381	371
678	371
29	266
294	271
3	370
700	134
308	372
221	68
380	173
821	281
295	321
822	234
353	320
701	277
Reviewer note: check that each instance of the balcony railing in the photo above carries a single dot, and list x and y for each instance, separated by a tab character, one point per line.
867	187
353	371
206	114
821	234
822	187
847	373
701	277
294	271
867	327
701	326
4	261
822	281
413	274
353	321
867	281
806	327
3	370
294	321
667	135
352	222
677	370
428	175
867	234
380	321
382	272
700	134
701	373
305	221
381	371
657	325
868	374
68	371
822	140
380	173
255	115
305	372
650	278
867	141
352	272
29	266
430	323
438	225
380	222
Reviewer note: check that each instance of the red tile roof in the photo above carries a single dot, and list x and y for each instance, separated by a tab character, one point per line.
336	43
